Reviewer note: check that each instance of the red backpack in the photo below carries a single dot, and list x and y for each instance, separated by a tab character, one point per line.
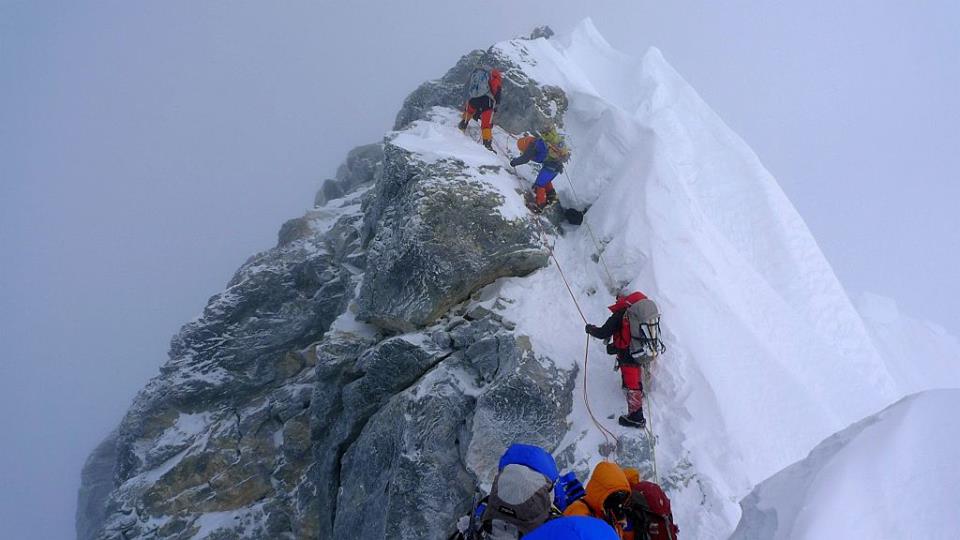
621	340
651	509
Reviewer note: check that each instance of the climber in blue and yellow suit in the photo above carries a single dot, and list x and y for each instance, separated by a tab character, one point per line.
549	150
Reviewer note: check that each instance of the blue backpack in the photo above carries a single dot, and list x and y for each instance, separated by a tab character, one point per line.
573	528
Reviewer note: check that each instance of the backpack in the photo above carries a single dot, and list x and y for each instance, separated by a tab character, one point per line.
521	498
478	84
556	146
643	318
649	509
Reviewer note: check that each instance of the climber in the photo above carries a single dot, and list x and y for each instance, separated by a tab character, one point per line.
635	329
650	507
607	494
573	528
550	150
483	98
520	498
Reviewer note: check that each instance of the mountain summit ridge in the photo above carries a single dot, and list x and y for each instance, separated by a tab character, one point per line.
412	325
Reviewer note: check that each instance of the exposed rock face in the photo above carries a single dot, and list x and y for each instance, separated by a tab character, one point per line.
225	429
96	483
281	415
438	237
430	444
525	104
362	166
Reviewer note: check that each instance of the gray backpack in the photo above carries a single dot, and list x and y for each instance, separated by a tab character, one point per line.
479	83
644	319
519	502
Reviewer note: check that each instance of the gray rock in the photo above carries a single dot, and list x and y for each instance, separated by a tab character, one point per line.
418	461
635	450
330	190
96	483
525	104
225	426
435	238
362	166
354	386
544	32
403	478
528	402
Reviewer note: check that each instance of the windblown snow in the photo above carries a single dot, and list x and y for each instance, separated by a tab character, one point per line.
892	475
767	355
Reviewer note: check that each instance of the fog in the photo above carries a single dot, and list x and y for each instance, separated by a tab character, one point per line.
147	149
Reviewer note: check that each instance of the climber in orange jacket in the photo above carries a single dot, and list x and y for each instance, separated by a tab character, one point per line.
607	494
637	510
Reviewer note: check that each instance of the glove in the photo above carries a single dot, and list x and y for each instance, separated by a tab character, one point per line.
478	512
514	162
567	490
590	329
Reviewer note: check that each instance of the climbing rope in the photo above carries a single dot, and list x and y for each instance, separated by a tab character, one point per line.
586	399
607	434
596	243
650	434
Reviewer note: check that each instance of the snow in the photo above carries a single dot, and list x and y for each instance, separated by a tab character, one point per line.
767	355
213	524
186	428
919	354
440	139
892	475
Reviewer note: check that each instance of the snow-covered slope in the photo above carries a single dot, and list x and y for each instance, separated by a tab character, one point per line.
892	475
919	354
767	354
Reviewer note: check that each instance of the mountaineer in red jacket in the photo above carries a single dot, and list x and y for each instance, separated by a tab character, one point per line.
634	328
483	97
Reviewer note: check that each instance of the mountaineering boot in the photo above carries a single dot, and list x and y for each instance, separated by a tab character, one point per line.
634	420
488	144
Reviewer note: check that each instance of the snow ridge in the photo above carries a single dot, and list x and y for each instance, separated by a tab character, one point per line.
767	354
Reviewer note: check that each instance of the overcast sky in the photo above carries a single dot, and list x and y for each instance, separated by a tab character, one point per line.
147	149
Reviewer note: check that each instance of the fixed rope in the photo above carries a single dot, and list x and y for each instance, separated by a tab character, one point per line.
596	243
651	436
607	434
586	398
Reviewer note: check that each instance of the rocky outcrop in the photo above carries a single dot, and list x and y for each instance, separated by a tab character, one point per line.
362	166
224	430
284	413
415	465
96	483
526	105
435	237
